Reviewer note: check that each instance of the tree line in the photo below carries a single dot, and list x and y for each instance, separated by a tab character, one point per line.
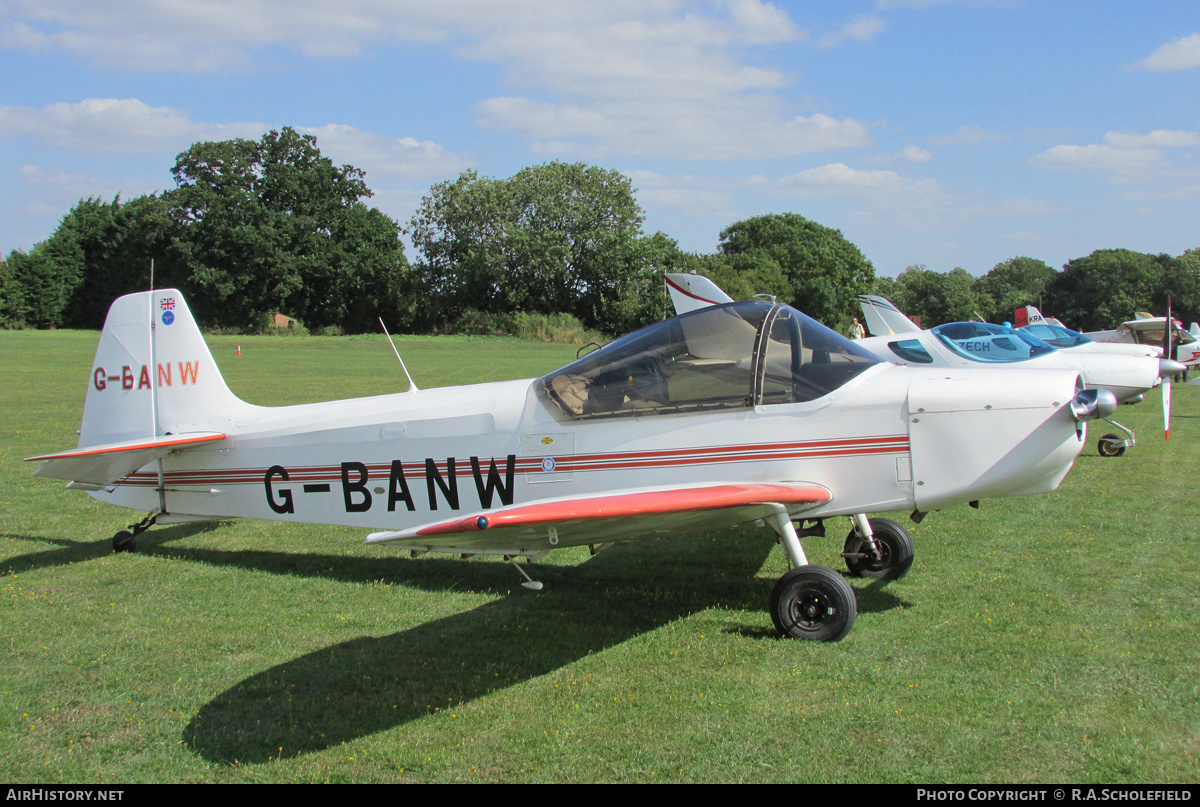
253	228
1095	292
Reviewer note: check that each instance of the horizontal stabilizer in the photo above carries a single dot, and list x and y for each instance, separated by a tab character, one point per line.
101	464
580	519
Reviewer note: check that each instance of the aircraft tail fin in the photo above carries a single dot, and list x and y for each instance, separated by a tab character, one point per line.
1027	316
690	292
153	374
883	318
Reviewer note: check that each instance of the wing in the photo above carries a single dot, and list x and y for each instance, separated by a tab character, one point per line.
618	516
94	467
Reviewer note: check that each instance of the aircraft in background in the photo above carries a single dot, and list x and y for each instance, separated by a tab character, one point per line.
1143	336
730	414
689	292
1128	374
1145	330
967	345
1053	332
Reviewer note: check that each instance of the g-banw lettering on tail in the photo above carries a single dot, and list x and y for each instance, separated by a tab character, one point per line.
188	374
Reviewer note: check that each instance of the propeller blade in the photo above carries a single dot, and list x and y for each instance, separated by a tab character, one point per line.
1166	385
1166	393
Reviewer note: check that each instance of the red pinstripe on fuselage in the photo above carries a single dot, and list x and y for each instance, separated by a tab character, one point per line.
612	461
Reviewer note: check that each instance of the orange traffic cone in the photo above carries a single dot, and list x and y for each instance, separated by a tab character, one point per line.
239	349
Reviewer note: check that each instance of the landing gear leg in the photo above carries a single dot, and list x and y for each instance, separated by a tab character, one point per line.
878	548
530	583
126	540
1113	445
809	602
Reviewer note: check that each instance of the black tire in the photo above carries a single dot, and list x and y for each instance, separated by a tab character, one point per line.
814	603
1111	445
895	546
124	541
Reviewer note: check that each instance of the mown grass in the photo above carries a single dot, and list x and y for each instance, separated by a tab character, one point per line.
1042	639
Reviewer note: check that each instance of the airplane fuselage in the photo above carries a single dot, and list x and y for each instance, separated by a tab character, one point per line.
398	461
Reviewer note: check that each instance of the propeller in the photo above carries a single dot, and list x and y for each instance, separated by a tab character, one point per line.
1166	385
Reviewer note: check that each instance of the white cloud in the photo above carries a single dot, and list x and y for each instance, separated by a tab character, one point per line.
910	154
1159	138
404	159
1182	54
1124	157
840	180
634	77
889	199
124	125
1101	157
49	192
130	126
216	35
694	197
862	28
971	136
740	128
37	175
230	35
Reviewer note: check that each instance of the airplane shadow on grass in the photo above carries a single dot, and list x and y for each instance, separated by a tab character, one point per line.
67	552
355	688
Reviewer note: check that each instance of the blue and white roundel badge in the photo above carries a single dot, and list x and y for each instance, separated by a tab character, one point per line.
548	464
168	318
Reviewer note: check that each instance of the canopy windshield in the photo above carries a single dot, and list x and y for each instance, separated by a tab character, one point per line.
1056	335
982	341
728	356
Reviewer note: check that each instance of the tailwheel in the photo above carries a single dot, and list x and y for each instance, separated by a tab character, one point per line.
124	541
893	556
1111	445
815	603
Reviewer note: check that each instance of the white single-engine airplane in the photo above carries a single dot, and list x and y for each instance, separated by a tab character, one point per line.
727	415
1128	374
1053	332
1147	331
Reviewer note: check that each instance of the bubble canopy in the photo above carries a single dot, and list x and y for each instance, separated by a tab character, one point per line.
730	356
982	341
1056	335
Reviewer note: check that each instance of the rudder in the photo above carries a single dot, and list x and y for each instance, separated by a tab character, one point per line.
153	373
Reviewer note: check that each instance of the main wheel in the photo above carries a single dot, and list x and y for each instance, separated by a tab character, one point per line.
895	549
124	541
813	602
1110	445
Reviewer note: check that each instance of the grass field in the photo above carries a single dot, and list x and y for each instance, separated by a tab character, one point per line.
1042	639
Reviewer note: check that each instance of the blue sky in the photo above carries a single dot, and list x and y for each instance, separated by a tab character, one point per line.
929	132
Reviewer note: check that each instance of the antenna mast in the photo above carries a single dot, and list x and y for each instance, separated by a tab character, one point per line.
412	386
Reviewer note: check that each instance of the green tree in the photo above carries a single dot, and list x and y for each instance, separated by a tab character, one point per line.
119	242
824	272
40	283
99	251
1181	286
939	298
1015	283
461	230
554	238
274	226
1104	289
